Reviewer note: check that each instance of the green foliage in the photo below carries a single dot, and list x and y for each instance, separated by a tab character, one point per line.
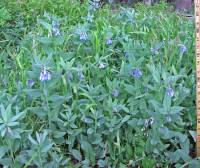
84	86
4	16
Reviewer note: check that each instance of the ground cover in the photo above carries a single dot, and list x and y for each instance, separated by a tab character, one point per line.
90	86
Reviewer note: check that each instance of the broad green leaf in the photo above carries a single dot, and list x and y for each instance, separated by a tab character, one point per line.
76	154
126	118
18	116
46	148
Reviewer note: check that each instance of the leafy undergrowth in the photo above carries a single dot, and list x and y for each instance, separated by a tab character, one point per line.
83	86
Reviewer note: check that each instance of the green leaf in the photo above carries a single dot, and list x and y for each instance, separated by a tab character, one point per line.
174	157
46	148
45	24
45	40
126	118
176	109
3	113
155	104
167	102
59	40
12	124
32	140
3	151
18	116
87	120
88	150
155	73
193	134
130	89
76	154
33	93
133	122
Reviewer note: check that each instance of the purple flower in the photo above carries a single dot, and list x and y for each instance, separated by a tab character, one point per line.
170	92
83	36
126	54
81	76
55	28
109	41
55	24
30	83
168	119
182	49
56	32
69	76
136	73
45	75
115	93
154	51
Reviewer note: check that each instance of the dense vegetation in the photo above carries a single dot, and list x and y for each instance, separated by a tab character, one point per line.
84	86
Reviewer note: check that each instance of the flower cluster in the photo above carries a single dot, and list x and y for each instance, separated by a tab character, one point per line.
136	73
45	75
109	41
83	36
30	83
170	92
183	48
115	93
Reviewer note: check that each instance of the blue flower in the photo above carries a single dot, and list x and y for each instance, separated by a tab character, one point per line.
168	119
80	76
83	36
126	54
136	73
170	92
95	4
183	48
45	75
154	51
102	65
69	76
55	28
56	32
30	83
55	24
109	41
115	93
89	18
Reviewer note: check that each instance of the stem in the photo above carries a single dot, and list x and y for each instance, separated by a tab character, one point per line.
45	91
40	160
11	152
29	162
